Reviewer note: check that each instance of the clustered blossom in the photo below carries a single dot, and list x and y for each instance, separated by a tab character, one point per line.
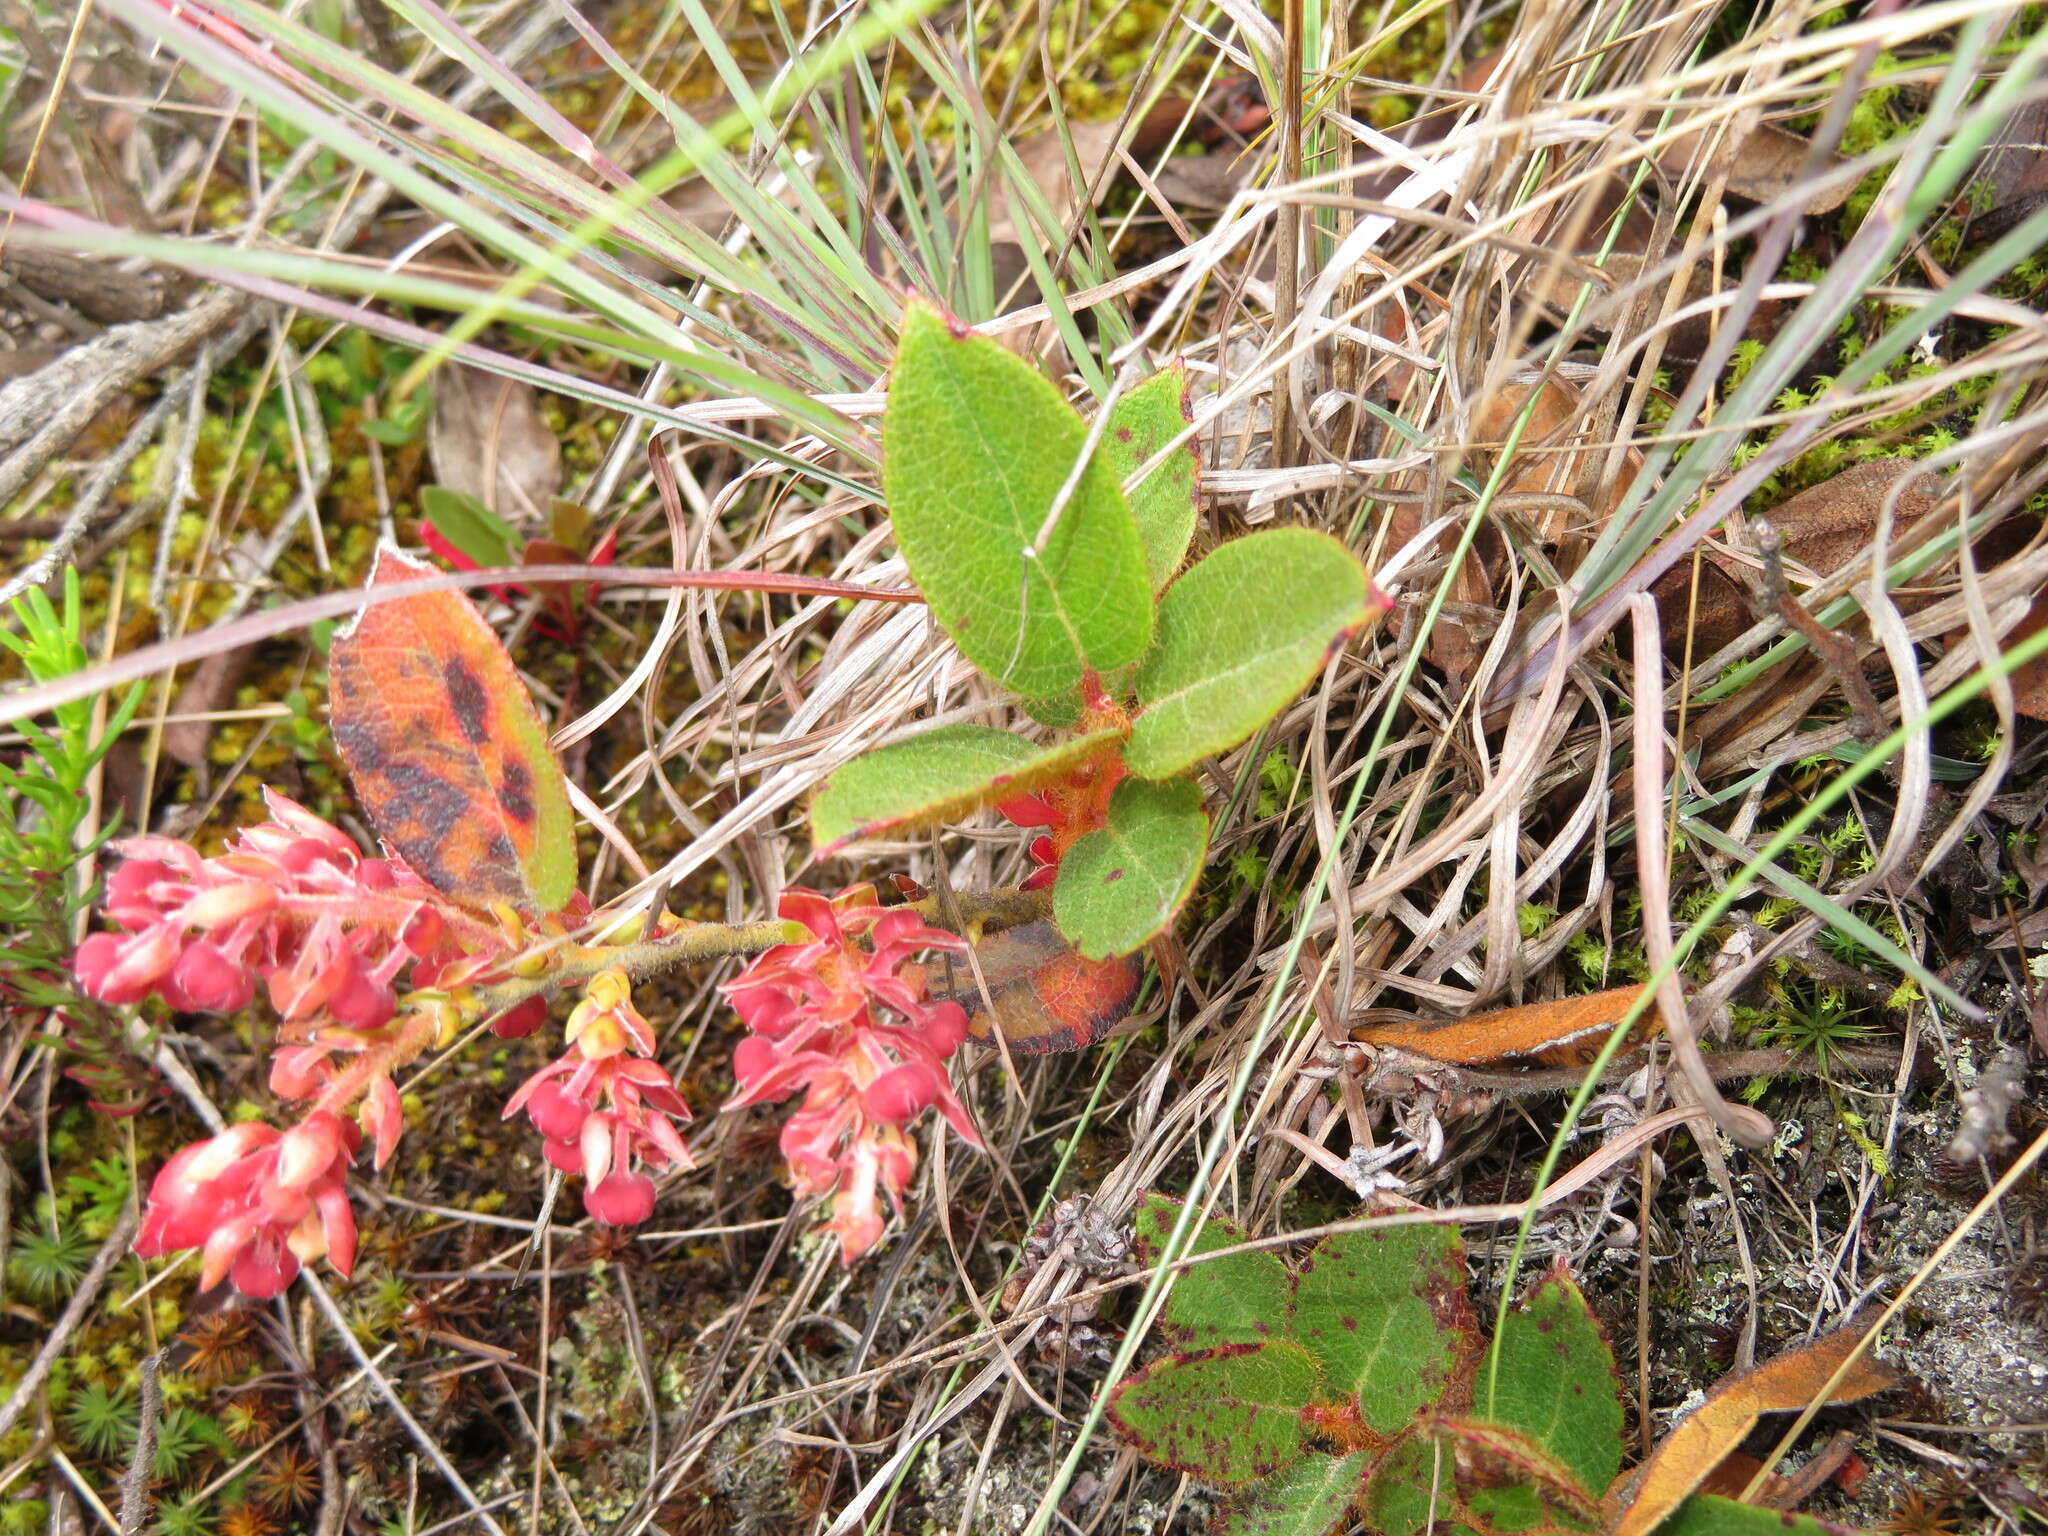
257	1203
833	1017
292	904
293	907
605	1106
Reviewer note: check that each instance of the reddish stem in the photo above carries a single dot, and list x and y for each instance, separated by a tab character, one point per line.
25	702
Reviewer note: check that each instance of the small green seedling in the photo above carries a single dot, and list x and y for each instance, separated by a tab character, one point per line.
1352	1390
1069	592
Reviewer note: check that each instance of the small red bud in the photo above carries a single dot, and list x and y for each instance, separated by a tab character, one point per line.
521	1019
623	1200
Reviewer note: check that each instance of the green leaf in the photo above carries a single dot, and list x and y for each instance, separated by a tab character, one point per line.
1238	1300
1556	1381
1706	1514
1238	636
1412	1487
1141	422
1227	1416
978	445
1384	1310
1513	1484
938	776
1061	712
1306	1499
470	526
1123	882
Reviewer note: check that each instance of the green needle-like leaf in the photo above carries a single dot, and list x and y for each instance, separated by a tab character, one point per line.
1385	1312
1239	635
1142	422
1228	1416
977	448
1122	883
936	777
1556	1381
1305	1499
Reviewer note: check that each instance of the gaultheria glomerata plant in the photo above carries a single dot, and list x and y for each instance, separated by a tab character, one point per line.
1011	512
1353	1389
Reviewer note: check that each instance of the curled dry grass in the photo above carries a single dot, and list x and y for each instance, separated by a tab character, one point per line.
1447	345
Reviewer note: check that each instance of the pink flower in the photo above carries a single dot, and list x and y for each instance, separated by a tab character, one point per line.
257	1203
834	1018
605	1106
291	905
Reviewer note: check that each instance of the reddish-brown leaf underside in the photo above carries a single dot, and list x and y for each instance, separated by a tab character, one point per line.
1046	997
1568	1031
446	752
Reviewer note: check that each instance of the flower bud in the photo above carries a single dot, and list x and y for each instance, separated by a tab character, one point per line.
225	904
130	901
361	1001
901	1094
750	1058
945	1026
555	1113
382	1117
121	970
623	1200
565	1155
308	1150
595	1143
521	1019
297	1071
205	981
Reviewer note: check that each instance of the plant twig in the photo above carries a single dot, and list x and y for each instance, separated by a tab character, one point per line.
1837	654
150	1410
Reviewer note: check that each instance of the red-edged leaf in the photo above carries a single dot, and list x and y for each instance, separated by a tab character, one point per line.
447	754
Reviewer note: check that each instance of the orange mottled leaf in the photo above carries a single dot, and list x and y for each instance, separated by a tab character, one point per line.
1642	1500
446	751
1568	1032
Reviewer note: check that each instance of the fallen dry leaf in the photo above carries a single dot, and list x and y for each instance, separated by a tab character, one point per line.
2030	682
1045	162
1641	1499
1764	167
488	439
1568	1032
1540	470
1823	528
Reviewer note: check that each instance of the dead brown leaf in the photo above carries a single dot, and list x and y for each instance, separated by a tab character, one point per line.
2030	682
1045	162
1567	1032
488	439
1541	471
2014	170
1640	1500
1823	528
1764	167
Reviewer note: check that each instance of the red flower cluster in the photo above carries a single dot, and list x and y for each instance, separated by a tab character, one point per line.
258	1202
835	1018
605	1105
294	906
291	904
1067	810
